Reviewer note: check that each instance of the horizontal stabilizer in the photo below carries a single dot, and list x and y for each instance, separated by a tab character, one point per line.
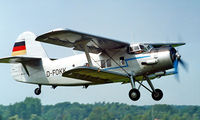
18	59
95	75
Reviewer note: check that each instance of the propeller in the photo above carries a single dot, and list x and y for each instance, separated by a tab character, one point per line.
177	60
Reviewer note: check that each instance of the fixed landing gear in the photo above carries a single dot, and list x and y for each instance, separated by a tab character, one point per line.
38	90
134	94
157	94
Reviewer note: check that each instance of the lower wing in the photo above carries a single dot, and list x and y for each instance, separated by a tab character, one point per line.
95	75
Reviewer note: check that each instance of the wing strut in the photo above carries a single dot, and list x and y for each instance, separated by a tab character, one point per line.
87	55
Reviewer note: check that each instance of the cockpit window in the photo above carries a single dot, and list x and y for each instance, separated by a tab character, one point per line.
139	48
149	47
136	48
143	48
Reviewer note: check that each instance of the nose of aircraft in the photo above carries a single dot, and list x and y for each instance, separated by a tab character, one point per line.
176	59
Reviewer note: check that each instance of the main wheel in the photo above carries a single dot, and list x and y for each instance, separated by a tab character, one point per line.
157	94
134	94
37	91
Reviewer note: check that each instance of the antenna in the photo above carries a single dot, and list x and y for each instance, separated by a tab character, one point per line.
132	38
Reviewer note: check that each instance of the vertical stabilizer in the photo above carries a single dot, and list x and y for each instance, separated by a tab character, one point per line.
25	45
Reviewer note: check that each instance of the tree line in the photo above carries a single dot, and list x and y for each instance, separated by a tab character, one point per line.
32	109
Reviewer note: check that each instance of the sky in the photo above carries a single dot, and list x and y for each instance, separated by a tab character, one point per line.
126	20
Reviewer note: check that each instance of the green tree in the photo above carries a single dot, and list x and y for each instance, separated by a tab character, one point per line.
128	117
100	113
31	109
33	106
35	117
15	117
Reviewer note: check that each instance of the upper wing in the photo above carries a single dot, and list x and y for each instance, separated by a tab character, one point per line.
17	59
165	44
75	40
95	75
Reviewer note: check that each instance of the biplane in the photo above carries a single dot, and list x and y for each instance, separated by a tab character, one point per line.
103	61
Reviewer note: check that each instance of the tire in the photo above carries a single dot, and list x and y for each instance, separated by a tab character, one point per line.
157	94
37	91
134	94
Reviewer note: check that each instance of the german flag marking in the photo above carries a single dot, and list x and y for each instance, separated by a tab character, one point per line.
19	49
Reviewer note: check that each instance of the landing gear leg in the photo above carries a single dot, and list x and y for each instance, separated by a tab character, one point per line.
38	90
134	94
157	94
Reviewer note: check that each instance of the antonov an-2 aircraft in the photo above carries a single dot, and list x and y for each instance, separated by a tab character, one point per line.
104	61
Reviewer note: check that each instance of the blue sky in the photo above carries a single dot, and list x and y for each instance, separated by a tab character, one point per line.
130	21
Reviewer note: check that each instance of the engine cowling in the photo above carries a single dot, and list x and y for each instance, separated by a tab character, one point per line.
161	59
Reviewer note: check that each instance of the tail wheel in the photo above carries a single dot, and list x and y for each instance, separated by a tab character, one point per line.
37	91
134	94
157	94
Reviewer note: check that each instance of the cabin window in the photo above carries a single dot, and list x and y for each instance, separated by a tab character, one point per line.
134	49
122	61
103	65
108	62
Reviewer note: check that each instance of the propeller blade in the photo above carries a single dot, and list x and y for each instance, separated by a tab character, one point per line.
176	66
176	69
184	64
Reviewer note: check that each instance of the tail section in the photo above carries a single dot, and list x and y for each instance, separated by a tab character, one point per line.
26	46
27	54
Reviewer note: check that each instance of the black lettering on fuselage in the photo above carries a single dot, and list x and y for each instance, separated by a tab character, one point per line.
55	72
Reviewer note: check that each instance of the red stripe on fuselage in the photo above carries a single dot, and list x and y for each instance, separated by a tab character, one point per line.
18	48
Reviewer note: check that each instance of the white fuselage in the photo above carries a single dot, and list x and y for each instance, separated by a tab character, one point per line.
49	72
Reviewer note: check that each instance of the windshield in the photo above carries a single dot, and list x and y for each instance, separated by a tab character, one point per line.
146	48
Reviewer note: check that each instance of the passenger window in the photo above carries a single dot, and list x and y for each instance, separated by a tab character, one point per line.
122	61
108	63
103	64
